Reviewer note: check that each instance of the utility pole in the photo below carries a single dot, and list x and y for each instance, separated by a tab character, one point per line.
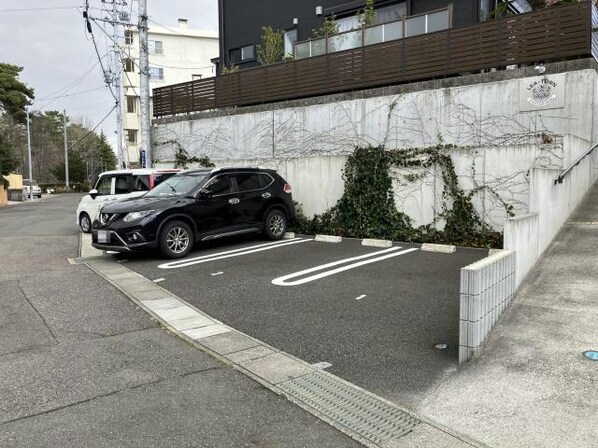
29	155
144	85
113	76
117	79
66	152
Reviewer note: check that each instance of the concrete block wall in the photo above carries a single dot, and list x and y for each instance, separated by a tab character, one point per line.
487	288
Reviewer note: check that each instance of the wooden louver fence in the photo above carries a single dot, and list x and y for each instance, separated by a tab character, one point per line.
547	35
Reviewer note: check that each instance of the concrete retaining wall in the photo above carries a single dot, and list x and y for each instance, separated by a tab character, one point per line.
550	206
487	287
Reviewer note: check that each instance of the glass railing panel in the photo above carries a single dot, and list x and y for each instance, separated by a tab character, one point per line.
415	26
302	50
344	41
374	35
318	47
438	21
393	30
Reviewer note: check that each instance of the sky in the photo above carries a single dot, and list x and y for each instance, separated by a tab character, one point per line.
48	39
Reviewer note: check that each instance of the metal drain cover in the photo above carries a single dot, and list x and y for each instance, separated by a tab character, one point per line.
359	412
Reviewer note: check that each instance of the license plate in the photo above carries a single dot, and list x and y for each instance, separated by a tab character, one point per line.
103	236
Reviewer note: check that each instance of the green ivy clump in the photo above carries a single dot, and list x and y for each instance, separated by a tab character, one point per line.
367	208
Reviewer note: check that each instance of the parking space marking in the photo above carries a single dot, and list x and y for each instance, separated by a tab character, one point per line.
360	297
389	253
231	253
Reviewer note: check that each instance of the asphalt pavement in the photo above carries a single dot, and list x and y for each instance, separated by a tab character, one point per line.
82	365
93	353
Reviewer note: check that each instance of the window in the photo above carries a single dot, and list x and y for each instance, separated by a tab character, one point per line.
156	73
154	46
128	37
121	186
248	181
347	24
219	185
141	183
129	65
266	180
247	53
243	54
390	13
131	104
290	37
132	136
104	185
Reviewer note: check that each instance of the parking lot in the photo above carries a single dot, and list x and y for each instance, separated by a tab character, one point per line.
375	314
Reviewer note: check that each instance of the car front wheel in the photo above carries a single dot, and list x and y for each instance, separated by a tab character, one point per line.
176	239
275	224
85	223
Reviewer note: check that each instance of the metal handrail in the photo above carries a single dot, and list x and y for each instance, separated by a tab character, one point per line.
559	180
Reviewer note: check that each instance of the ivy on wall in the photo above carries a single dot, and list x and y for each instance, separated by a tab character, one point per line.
367	208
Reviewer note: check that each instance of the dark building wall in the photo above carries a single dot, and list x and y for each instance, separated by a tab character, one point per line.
241	21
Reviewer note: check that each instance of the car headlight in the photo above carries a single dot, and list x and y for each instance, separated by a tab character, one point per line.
134	216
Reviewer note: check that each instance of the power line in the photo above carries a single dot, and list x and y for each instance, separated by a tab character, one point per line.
92	131
38	9
95	46
70	85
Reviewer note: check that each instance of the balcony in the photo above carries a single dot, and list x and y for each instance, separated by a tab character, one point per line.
406	27
551	34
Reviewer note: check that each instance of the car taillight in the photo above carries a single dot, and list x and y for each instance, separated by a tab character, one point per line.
287	188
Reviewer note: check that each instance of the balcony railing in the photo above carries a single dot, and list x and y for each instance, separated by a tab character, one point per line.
406	27
551	34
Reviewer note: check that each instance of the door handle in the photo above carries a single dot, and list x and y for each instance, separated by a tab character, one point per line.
233	201
266	195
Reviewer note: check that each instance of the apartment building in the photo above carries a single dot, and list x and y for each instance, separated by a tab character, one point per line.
176	54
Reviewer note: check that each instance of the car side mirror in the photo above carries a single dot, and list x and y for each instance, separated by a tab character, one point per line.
93	193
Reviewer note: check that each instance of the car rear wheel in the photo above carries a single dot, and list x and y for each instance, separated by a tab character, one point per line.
85	223
275	224
176	239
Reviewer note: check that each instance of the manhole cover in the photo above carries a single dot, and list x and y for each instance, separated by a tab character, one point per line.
592	355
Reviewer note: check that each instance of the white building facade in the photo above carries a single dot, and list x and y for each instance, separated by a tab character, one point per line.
176	54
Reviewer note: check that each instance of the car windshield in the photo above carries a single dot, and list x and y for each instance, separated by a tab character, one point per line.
179	185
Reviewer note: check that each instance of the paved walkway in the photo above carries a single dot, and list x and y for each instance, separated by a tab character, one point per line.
531	386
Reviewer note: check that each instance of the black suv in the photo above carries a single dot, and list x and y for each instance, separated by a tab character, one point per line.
197	205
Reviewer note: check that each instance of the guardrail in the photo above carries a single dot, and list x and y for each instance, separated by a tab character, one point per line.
554	33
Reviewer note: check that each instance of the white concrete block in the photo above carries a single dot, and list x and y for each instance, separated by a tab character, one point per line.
289	235
328	238
376	243
443	248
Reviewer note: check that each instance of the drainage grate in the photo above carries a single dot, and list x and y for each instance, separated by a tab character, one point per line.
351	408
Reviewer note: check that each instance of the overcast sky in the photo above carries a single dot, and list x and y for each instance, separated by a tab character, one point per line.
48	39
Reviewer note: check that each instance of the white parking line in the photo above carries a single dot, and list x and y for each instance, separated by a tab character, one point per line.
392	252
231	253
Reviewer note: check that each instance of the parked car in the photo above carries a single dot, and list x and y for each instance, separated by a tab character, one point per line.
197	205
33	186
116	185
